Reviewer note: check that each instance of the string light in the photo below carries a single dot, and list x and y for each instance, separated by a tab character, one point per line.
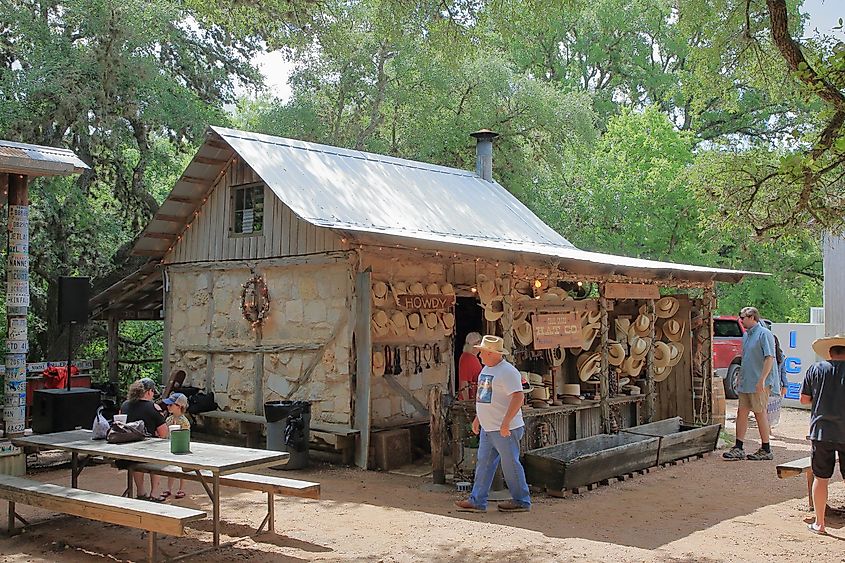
538	284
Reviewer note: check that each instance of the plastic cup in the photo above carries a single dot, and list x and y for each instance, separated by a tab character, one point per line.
120	418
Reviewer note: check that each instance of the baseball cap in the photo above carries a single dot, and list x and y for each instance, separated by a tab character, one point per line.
177	399
148	384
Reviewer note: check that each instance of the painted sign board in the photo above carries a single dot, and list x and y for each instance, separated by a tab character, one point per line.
796	341
559	329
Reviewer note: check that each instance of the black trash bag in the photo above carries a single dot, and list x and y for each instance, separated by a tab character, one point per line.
201	402
295	433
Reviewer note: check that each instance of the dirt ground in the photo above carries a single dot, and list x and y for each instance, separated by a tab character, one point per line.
705	510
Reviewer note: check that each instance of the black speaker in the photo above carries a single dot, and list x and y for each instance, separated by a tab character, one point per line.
73	299
56	410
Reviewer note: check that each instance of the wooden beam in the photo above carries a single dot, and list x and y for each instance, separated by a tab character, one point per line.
170	218
208	160
214	143
142	252
180	199
363	366
438	462
195	180
164	236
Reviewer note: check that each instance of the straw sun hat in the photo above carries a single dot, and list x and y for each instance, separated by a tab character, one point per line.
822	346
493	344
523	333
666	307
673	330
379	294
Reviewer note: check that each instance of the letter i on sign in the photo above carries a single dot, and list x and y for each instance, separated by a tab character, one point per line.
793	336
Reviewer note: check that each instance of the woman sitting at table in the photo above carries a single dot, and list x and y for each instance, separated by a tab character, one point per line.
140	406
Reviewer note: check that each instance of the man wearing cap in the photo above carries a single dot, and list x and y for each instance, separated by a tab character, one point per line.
824	390
139	406
499	423
757	379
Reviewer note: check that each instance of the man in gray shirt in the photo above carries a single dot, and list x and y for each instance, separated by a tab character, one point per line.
824	390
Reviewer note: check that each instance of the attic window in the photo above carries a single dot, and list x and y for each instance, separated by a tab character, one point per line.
248	209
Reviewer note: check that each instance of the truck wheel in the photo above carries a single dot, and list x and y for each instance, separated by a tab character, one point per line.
732	381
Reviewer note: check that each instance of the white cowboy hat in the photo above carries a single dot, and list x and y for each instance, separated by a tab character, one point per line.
641	326
379	294
822	346
378	363
414	323
540	392
448	322
432	289
666	307
615	354
588	336
493	344
523	333
676	353
661	373
590	366
416	288
571	389
447	289
673	330
633	366
558	354
486	289
662	354
639	347
494	309
379	324
400	323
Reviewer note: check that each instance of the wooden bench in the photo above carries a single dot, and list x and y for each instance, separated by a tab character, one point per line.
251	425
796	468
249	481
144	515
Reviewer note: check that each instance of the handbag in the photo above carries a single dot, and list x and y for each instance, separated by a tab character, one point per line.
125	432
101	425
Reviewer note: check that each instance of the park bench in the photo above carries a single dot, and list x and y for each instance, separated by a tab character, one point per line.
133	513
796	468
249	481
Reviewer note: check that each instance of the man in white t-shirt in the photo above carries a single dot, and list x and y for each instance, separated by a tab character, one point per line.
498	421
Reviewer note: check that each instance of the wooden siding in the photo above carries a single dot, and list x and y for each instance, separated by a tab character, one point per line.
285	234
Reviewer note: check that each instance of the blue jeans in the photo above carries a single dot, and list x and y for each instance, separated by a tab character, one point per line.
492	448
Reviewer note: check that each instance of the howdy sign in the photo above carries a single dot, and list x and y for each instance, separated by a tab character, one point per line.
425	302
559	329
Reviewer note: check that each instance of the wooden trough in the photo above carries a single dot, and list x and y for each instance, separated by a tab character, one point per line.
678	440
590	460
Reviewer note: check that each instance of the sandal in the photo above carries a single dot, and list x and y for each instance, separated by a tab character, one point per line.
816	530
179	494
165	494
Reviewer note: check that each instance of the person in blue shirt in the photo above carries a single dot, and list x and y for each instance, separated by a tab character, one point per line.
758	379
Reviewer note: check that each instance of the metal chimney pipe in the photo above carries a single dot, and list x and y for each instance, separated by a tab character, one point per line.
484	153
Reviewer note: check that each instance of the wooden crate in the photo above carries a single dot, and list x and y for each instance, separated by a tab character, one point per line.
678	440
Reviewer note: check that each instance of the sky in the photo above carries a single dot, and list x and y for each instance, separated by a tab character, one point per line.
824	15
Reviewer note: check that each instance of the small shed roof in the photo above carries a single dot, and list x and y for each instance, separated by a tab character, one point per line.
36	160
386	200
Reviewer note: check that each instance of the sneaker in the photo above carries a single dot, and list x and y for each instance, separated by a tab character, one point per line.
734	454
760	455
467	506
511	506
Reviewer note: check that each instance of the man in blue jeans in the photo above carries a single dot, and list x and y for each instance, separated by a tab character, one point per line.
498	421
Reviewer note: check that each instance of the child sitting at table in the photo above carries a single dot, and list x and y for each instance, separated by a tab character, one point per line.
177	406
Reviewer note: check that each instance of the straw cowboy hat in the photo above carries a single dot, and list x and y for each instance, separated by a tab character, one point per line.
432	289
494	309
633	366
522	287
523	332
641	326
379	294
519	316
666	307
414	323
673	330
448	322
378	363
486	289
822	346
380	324
588	336
562	294
622	327
416	288
615	354
661	373
676	352
557	355
493	344
571	389
662	354
447	289
593	318
639	347
432	324
399	323
399	288
590	366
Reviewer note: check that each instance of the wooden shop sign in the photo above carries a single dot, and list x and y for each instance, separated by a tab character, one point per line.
631	291
558	329
425	302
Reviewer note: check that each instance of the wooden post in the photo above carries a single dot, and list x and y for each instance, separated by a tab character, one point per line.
112	353
363	365
708	306
650	395
604	380
17	304
507	314
833	251
438	470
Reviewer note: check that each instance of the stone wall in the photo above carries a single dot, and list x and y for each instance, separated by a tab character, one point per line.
303	350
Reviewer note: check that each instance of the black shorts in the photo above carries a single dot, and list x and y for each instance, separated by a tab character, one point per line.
824	458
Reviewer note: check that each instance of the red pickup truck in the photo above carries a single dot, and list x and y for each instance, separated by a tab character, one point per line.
727	351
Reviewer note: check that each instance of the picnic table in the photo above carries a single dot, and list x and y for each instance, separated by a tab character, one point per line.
215	459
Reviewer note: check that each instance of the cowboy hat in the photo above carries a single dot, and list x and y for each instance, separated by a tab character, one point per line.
593	318
494	309
448	322
379	323
447	289
490	343
414	323
822	346
640	326
523	332
519	316
416	288
557	354
571	389
378	363
400	323
590	366
486	289
633	366
666	307
623	381
539	392
399	288
432	323
661	373
557	291
615	354
662	354
522	287
673	330
379	294
622	327
588	336
639	347
676	353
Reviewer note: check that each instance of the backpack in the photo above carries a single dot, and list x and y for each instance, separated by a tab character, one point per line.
201	402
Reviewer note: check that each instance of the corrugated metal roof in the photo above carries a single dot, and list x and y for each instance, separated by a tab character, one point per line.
36	160
383	199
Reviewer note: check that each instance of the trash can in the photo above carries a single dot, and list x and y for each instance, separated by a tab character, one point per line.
288	430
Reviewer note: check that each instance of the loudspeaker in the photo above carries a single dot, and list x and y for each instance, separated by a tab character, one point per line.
73	300
56	410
